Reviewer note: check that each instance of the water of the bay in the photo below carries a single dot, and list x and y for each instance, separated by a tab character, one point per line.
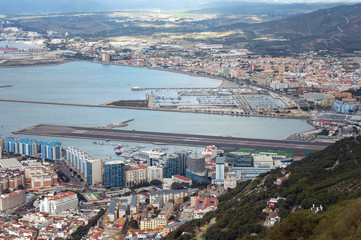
85	82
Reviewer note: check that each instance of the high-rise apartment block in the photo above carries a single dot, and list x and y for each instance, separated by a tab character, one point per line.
90	167
114	174
196	168
59	203
30	147
219	170
170	165
154	173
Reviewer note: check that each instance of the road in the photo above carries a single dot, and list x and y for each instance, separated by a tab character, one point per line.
65	170
170	138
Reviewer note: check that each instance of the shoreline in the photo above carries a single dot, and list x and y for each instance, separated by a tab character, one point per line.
173	71
221	85
146	108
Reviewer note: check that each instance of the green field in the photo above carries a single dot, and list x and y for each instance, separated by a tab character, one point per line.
286	154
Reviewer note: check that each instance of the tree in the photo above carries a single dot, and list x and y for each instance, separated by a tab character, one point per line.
133	224
155	182
21	187
7	191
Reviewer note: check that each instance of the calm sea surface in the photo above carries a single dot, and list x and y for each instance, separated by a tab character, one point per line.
85	82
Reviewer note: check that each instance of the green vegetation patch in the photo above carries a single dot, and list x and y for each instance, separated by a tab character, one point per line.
328	178
286	154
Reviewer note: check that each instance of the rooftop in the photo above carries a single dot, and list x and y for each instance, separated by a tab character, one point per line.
10	163
61	195
182	178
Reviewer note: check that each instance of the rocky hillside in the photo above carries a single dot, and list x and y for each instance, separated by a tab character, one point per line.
324	181
336	28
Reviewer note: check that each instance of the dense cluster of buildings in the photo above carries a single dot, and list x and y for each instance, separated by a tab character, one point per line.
11	179
182	167
43	227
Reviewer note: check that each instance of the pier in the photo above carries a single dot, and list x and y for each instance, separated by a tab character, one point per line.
170	138
6	86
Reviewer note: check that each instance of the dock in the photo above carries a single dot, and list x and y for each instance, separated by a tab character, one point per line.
6	86
170	138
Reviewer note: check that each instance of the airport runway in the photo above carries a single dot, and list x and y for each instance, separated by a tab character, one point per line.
169	138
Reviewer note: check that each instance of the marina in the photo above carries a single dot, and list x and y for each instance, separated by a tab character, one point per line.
79	90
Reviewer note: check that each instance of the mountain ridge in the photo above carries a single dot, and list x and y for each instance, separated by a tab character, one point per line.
334	29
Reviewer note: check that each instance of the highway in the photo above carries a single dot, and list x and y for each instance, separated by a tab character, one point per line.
169	138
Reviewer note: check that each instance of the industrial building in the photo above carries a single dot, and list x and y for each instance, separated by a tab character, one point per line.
11	163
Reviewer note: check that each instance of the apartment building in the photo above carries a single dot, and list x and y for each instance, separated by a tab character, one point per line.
135	175
41	177
59	203
12	200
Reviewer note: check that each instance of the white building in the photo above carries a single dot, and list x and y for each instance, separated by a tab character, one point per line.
59	203
90	167
230	180
263	161
94	171
155	173
135	175
220	170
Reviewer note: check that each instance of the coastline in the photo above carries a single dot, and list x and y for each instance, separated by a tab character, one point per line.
224	80
226	83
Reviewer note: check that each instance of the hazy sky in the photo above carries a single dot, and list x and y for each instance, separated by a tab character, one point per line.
19	7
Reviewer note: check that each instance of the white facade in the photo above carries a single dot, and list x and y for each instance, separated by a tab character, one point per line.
59	203
263	161
230	180
220	170
155	173
96	171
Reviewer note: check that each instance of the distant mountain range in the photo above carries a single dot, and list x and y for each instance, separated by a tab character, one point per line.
21	7
261	8
336	28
